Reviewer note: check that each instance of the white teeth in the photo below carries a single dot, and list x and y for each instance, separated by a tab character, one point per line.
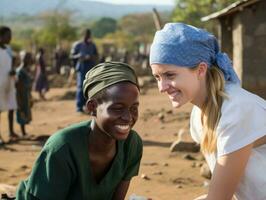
123	127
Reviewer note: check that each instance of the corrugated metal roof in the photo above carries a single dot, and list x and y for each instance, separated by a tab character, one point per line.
234	7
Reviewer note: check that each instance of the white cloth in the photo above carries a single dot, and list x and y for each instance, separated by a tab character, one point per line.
243	121
7	84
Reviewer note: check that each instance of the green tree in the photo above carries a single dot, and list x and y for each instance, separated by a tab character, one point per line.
190	11
131	31
120	39
56	28
137	24
104	26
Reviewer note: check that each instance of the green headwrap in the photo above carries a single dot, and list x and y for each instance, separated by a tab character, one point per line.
106	74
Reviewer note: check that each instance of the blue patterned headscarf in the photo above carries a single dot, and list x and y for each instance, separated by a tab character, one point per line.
184	45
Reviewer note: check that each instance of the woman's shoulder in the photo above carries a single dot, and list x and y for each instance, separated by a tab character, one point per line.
236	94
241	101
133	143
68	136
133	137
242	120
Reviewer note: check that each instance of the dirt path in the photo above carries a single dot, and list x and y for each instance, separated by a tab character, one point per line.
166	175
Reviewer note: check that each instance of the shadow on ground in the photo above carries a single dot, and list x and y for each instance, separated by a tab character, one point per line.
29	140
158	144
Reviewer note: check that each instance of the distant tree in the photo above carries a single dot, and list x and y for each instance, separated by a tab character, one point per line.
23	39
190	11
121	40
137	24
56	28
140	26
104	26
131	31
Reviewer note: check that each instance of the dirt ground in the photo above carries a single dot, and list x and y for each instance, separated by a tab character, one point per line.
163	175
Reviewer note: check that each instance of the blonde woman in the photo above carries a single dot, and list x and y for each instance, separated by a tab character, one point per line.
228	121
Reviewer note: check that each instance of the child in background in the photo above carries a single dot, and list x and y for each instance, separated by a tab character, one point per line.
23	85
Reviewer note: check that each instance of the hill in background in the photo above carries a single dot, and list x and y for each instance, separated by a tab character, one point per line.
81	8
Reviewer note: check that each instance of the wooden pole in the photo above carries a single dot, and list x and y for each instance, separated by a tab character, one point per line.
156	19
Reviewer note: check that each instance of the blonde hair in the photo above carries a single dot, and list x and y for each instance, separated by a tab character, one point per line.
211	111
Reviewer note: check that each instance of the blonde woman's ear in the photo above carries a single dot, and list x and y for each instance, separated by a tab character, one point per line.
202	69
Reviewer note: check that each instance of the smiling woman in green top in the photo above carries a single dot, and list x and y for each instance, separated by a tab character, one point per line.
96	159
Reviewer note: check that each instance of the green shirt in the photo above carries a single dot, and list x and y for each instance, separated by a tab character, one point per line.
62	170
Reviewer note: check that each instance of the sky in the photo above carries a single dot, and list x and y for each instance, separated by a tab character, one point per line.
153	2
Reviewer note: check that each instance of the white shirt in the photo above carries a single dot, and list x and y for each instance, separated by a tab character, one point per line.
7	85
243	121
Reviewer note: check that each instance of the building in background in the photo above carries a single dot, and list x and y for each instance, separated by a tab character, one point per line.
242	34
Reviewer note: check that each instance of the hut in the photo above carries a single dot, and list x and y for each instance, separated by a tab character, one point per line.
242	35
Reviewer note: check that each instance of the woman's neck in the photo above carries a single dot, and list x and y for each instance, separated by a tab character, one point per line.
201	96
100	142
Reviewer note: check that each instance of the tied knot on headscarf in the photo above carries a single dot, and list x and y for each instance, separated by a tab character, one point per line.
224	63
186	46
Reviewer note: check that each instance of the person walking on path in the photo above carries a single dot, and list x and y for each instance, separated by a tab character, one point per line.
41	81
85	56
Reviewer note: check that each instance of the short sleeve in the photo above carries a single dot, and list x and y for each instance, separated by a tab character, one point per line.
135	155
242	122
51	177
195	129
